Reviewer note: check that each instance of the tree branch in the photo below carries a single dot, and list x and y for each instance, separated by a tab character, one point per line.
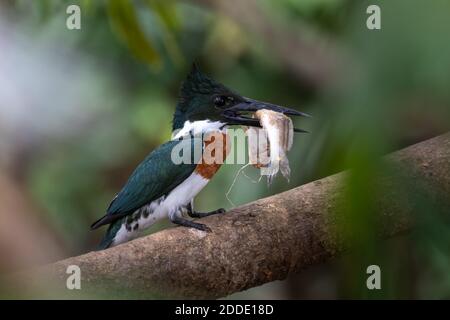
257	243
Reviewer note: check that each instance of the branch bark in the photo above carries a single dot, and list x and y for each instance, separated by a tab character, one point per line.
257	243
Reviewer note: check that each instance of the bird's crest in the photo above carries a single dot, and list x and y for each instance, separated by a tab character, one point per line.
198	83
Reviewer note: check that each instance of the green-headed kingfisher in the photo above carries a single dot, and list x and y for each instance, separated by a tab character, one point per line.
160	188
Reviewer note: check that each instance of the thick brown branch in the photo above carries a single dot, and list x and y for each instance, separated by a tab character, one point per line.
253	244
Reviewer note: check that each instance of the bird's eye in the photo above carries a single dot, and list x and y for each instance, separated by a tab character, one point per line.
219	101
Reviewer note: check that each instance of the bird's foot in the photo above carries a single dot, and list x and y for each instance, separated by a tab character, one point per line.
191	224
202	227
206	214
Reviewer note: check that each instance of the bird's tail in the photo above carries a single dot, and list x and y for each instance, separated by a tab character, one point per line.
108	238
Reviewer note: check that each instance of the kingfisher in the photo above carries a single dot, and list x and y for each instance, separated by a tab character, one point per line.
159	187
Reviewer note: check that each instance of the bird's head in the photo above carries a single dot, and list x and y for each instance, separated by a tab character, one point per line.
202	98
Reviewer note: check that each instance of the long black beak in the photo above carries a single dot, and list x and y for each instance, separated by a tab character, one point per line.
234	114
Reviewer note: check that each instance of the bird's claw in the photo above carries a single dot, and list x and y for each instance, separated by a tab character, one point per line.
203	227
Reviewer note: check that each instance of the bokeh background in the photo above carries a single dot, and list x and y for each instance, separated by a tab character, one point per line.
79	109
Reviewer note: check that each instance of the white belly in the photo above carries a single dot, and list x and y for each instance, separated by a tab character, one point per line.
178	198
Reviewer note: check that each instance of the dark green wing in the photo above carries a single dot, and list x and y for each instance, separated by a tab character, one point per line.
156	176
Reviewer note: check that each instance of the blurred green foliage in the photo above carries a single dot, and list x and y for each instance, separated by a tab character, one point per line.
393	94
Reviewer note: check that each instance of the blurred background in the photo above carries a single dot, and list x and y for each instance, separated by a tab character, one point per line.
79	109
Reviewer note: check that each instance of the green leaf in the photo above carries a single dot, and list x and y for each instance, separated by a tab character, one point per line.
166	11
125	22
